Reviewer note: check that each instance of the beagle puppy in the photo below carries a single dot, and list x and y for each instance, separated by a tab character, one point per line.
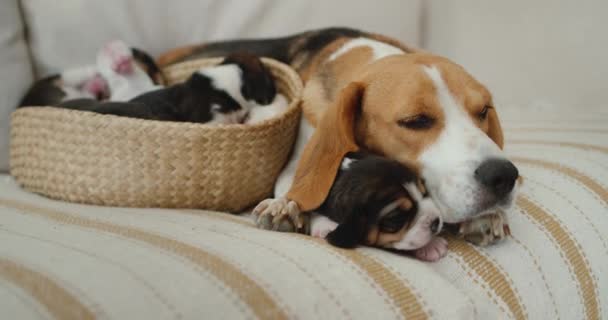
238	90
119	74
379	202
364	90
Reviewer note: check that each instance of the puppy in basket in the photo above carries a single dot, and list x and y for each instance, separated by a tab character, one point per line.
120	73
238	90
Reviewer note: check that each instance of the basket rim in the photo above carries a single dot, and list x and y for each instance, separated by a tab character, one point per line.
294	105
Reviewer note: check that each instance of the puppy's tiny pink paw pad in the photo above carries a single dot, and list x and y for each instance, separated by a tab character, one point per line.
121	57
433	251
96	86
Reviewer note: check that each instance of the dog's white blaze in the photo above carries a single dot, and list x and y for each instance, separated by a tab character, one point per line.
285	179
379	49
228	78
448	165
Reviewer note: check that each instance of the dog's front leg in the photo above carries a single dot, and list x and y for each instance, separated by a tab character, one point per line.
485	230
281	214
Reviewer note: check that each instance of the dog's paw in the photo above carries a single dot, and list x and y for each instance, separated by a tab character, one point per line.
119	57
282	215
436	249
485	230
321	226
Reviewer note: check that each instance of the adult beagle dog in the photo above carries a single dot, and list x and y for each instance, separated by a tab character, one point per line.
367	91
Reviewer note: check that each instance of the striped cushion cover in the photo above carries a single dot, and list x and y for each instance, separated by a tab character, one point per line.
69	261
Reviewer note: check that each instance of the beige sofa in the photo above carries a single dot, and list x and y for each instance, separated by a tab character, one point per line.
71	261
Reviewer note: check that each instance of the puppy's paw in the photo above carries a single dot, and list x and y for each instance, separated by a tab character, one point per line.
436	249
280	214
321	226
97	87
119	57
485	230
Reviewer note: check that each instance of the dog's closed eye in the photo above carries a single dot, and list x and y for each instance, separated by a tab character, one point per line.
483	114
417	122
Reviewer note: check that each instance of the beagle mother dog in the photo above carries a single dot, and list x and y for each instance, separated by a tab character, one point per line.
365	91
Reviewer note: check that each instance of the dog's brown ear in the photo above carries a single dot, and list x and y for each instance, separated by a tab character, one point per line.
494	128
322	156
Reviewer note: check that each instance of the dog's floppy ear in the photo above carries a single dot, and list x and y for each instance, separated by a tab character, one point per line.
321	158
494	128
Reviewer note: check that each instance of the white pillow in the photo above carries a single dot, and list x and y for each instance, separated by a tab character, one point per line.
16	70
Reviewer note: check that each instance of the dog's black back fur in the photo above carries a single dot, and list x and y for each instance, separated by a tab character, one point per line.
285	49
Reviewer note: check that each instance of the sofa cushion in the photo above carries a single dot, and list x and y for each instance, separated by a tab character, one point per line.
201	264
16	70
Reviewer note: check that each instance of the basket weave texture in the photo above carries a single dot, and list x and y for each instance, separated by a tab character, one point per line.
99	159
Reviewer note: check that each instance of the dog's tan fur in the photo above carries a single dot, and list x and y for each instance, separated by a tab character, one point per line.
364	108
355	101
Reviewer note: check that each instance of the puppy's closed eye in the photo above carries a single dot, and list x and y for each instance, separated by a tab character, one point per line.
393	221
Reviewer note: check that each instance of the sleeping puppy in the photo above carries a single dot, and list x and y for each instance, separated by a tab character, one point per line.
119	74
379	202
238	90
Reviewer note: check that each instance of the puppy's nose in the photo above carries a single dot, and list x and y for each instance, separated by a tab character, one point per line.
498	175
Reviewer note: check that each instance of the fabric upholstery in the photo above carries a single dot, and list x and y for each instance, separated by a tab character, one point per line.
71	260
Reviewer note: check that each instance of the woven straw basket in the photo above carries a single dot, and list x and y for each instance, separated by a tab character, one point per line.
109	160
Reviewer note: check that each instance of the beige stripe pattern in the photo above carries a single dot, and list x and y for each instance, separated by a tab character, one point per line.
403	297
572	252
216	265
409	304
583	130
570	172
582	146
259	301
58	301
491	275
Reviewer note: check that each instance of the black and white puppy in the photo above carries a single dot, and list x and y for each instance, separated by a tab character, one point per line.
238	90
379	202
119	74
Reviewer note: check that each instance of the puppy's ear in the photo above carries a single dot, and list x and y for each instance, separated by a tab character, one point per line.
494	128
321	158
349	234
258	83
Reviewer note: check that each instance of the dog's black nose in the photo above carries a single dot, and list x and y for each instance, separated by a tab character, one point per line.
498	175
